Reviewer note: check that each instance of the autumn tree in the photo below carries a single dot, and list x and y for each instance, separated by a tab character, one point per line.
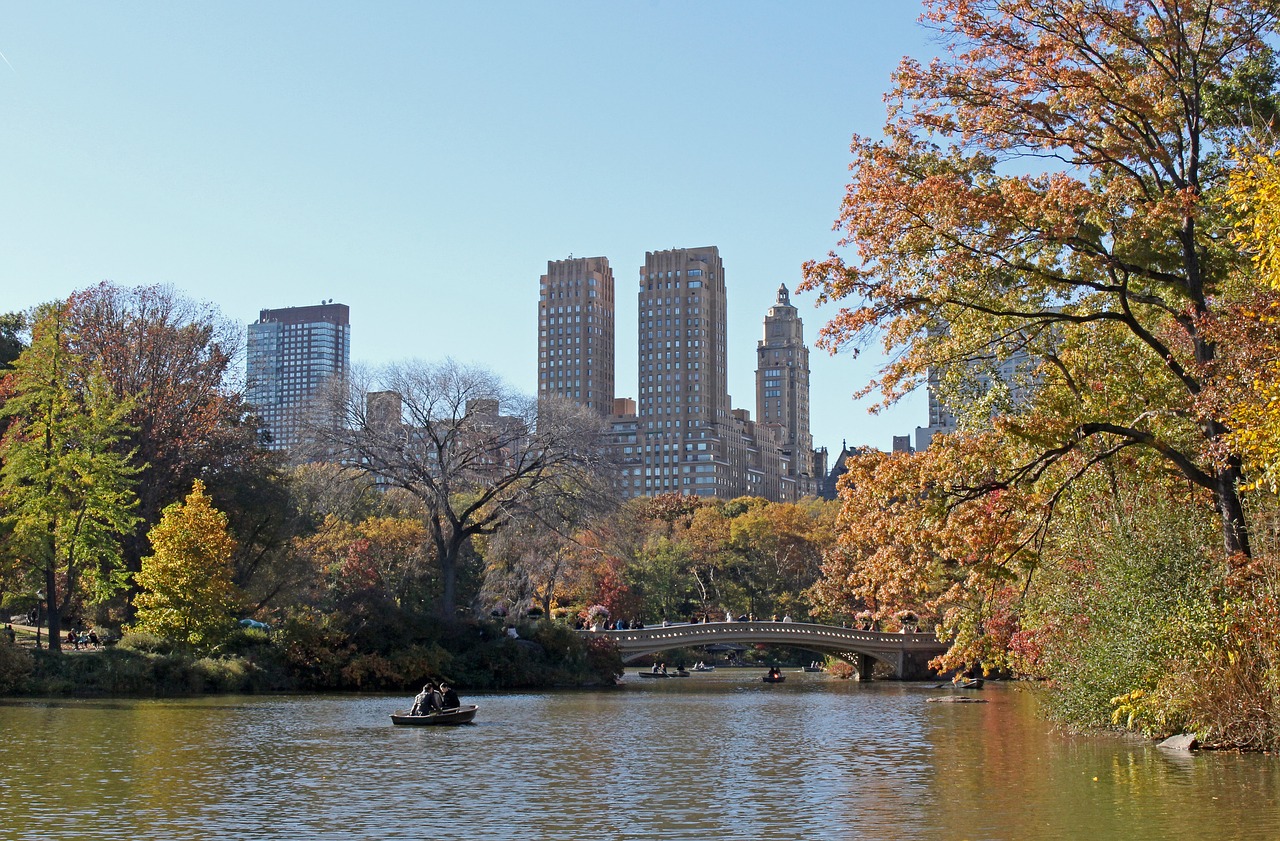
187	593
171	358
476	455
906	544
66	490
387	558
1053	186
12	327
1248	387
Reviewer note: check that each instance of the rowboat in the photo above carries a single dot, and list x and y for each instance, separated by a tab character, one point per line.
970	683
663	674
461	715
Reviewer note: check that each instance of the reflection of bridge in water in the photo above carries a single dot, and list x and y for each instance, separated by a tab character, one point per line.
907	655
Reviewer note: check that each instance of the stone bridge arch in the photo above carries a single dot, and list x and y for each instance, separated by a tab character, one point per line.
907	655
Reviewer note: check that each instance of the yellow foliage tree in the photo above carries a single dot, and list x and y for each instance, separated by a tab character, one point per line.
188	595
1251	390
1254	193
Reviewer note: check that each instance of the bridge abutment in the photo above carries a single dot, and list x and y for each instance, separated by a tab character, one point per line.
863	666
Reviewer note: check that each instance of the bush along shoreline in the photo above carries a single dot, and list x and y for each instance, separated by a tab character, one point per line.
304	657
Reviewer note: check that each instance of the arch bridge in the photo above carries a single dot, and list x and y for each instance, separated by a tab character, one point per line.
907	655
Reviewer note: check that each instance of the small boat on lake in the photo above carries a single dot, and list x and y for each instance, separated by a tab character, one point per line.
969	683
774	676
681	673
445	718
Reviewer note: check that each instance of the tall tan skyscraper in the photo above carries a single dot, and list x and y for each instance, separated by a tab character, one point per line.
683	405
680	434
782	385
575	332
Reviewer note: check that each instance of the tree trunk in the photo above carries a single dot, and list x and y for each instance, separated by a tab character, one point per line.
53	611
1235	529
449	579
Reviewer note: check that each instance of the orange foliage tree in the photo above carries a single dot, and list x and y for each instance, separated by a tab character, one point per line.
1102	264
914	538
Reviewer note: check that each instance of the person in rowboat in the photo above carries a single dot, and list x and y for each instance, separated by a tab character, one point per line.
449	697
425	702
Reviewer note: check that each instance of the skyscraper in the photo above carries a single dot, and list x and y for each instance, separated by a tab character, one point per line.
782	388
292	354
576	332
681	434
683	404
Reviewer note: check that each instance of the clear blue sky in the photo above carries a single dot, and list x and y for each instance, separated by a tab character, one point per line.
422	161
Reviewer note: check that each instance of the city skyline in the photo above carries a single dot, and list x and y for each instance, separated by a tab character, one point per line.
420	162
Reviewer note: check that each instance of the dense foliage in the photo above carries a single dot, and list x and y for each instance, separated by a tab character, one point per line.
1067	229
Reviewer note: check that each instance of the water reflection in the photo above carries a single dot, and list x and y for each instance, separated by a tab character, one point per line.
716	755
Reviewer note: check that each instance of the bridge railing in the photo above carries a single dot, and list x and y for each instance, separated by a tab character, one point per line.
798	633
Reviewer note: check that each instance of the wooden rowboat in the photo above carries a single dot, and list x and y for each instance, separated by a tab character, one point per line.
461	715
971	683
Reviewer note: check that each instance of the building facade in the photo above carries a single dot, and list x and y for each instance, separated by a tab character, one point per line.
576	332
680	434
782	391
293	354
682	407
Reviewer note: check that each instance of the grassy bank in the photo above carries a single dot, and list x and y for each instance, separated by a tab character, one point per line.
469	655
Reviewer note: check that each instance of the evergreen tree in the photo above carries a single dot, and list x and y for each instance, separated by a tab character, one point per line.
65	488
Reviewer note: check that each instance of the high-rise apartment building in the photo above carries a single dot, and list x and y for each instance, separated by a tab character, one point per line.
576	332
293	353
683	403
680	434
782	389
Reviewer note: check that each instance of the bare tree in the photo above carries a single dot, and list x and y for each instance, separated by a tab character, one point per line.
479	456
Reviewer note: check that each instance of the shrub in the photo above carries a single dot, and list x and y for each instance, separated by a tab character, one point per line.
840	669
145	642
16	666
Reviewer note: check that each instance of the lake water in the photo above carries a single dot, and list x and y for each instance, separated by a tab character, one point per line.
717	755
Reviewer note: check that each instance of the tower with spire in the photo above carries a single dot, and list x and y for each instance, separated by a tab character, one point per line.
782	388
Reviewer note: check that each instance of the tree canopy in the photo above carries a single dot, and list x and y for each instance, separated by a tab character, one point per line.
476	455
187	591
66	488
1053	186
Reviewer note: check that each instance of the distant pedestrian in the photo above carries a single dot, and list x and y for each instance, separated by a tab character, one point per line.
9	633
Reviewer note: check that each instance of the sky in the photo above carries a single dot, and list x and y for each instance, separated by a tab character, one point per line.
422	161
